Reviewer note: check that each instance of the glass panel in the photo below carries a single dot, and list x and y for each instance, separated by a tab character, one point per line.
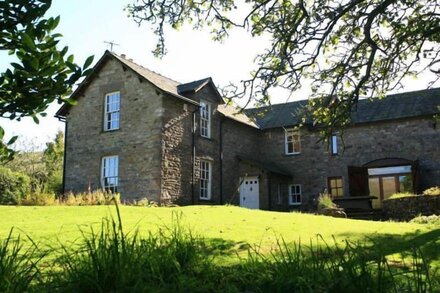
405	183
388	186
373	184
290	147
332	183
339	182
389	170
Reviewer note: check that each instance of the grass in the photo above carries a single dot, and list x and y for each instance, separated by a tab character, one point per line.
152	250
229	229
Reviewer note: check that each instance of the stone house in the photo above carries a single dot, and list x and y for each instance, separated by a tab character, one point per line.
144	135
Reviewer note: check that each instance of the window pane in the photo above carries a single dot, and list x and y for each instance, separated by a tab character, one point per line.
405	183
389	170
389	186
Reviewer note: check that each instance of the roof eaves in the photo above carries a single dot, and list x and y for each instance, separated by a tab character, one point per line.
63	110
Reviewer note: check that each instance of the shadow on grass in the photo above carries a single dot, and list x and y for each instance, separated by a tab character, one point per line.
428	243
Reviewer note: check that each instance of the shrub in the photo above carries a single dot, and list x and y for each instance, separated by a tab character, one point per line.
433	219
432	191
144	202
40	199
401	195
325	202
13	186
96	197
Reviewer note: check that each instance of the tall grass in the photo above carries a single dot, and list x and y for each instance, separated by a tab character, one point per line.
111	260
18	265
175	260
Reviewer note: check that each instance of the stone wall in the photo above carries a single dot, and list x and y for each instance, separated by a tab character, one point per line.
176	171
137	142
412	139
407	208
238	140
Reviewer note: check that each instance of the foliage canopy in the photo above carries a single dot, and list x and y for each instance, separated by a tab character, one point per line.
42	73
346	49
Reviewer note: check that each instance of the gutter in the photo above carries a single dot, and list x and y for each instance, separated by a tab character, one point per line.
221	159
193	154
64	120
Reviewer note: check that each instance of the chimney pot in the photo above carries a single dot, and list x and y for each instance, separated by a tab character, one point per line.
123	56
130	59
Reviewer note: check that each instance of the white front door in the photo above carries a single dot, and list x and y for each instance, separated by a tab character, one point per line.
249	193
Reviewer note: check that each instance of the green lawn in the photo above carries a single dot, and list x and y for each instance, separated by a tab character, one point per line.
229	229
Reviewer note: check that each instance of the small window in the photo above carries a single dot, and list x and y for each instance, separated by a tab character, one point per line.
334	144
109	173
205	180
205	119
111	115
295	194
292	141
335	186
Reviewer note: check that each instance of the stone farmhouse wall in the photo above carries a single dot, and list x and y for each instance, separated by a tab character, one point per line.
137	142
412	139
407	208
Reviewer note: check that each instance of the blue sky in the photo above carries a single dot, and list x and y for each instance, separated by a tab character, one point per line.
192	55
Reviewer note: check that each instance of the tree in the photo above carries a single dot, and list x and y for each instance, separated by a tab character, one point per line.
347	48
53	158
42	73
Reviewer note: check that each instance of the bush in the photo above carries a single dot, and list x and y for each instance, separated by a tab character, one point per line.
432	191
54	183
325	202
401	195
96	197
13	186
39	199
433	219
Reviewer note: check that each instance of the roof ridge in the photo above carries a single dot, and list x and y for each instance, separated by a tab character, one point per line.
360	98
140	65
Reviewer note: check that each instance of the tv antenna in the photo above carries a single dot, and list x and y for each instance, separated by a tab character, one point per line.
111	44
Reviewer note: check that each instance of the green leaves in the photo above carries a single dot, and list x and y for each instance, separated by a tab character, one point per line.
27	41
88	62
43	73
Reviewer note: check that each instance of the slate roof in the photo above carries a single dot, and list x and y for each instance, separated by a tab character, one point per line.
161	82
164	83
268	166
192	86
234	114
396	106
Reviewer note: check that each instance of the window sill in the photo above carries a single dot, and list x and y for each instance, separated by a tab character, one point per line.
292	154
206	138
294	204
205	199
110	131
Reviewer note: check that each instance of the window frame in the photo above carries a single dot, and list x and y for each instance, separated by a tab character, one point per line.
107	112
329	188
291	132
208	180
205	105
103	175
295	203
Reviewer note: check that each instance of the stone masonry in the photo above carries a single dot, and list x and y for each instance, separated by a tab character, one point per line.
160	147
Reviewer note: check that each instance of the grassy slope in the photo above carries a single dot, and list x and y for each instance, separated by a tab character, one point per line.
227	228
